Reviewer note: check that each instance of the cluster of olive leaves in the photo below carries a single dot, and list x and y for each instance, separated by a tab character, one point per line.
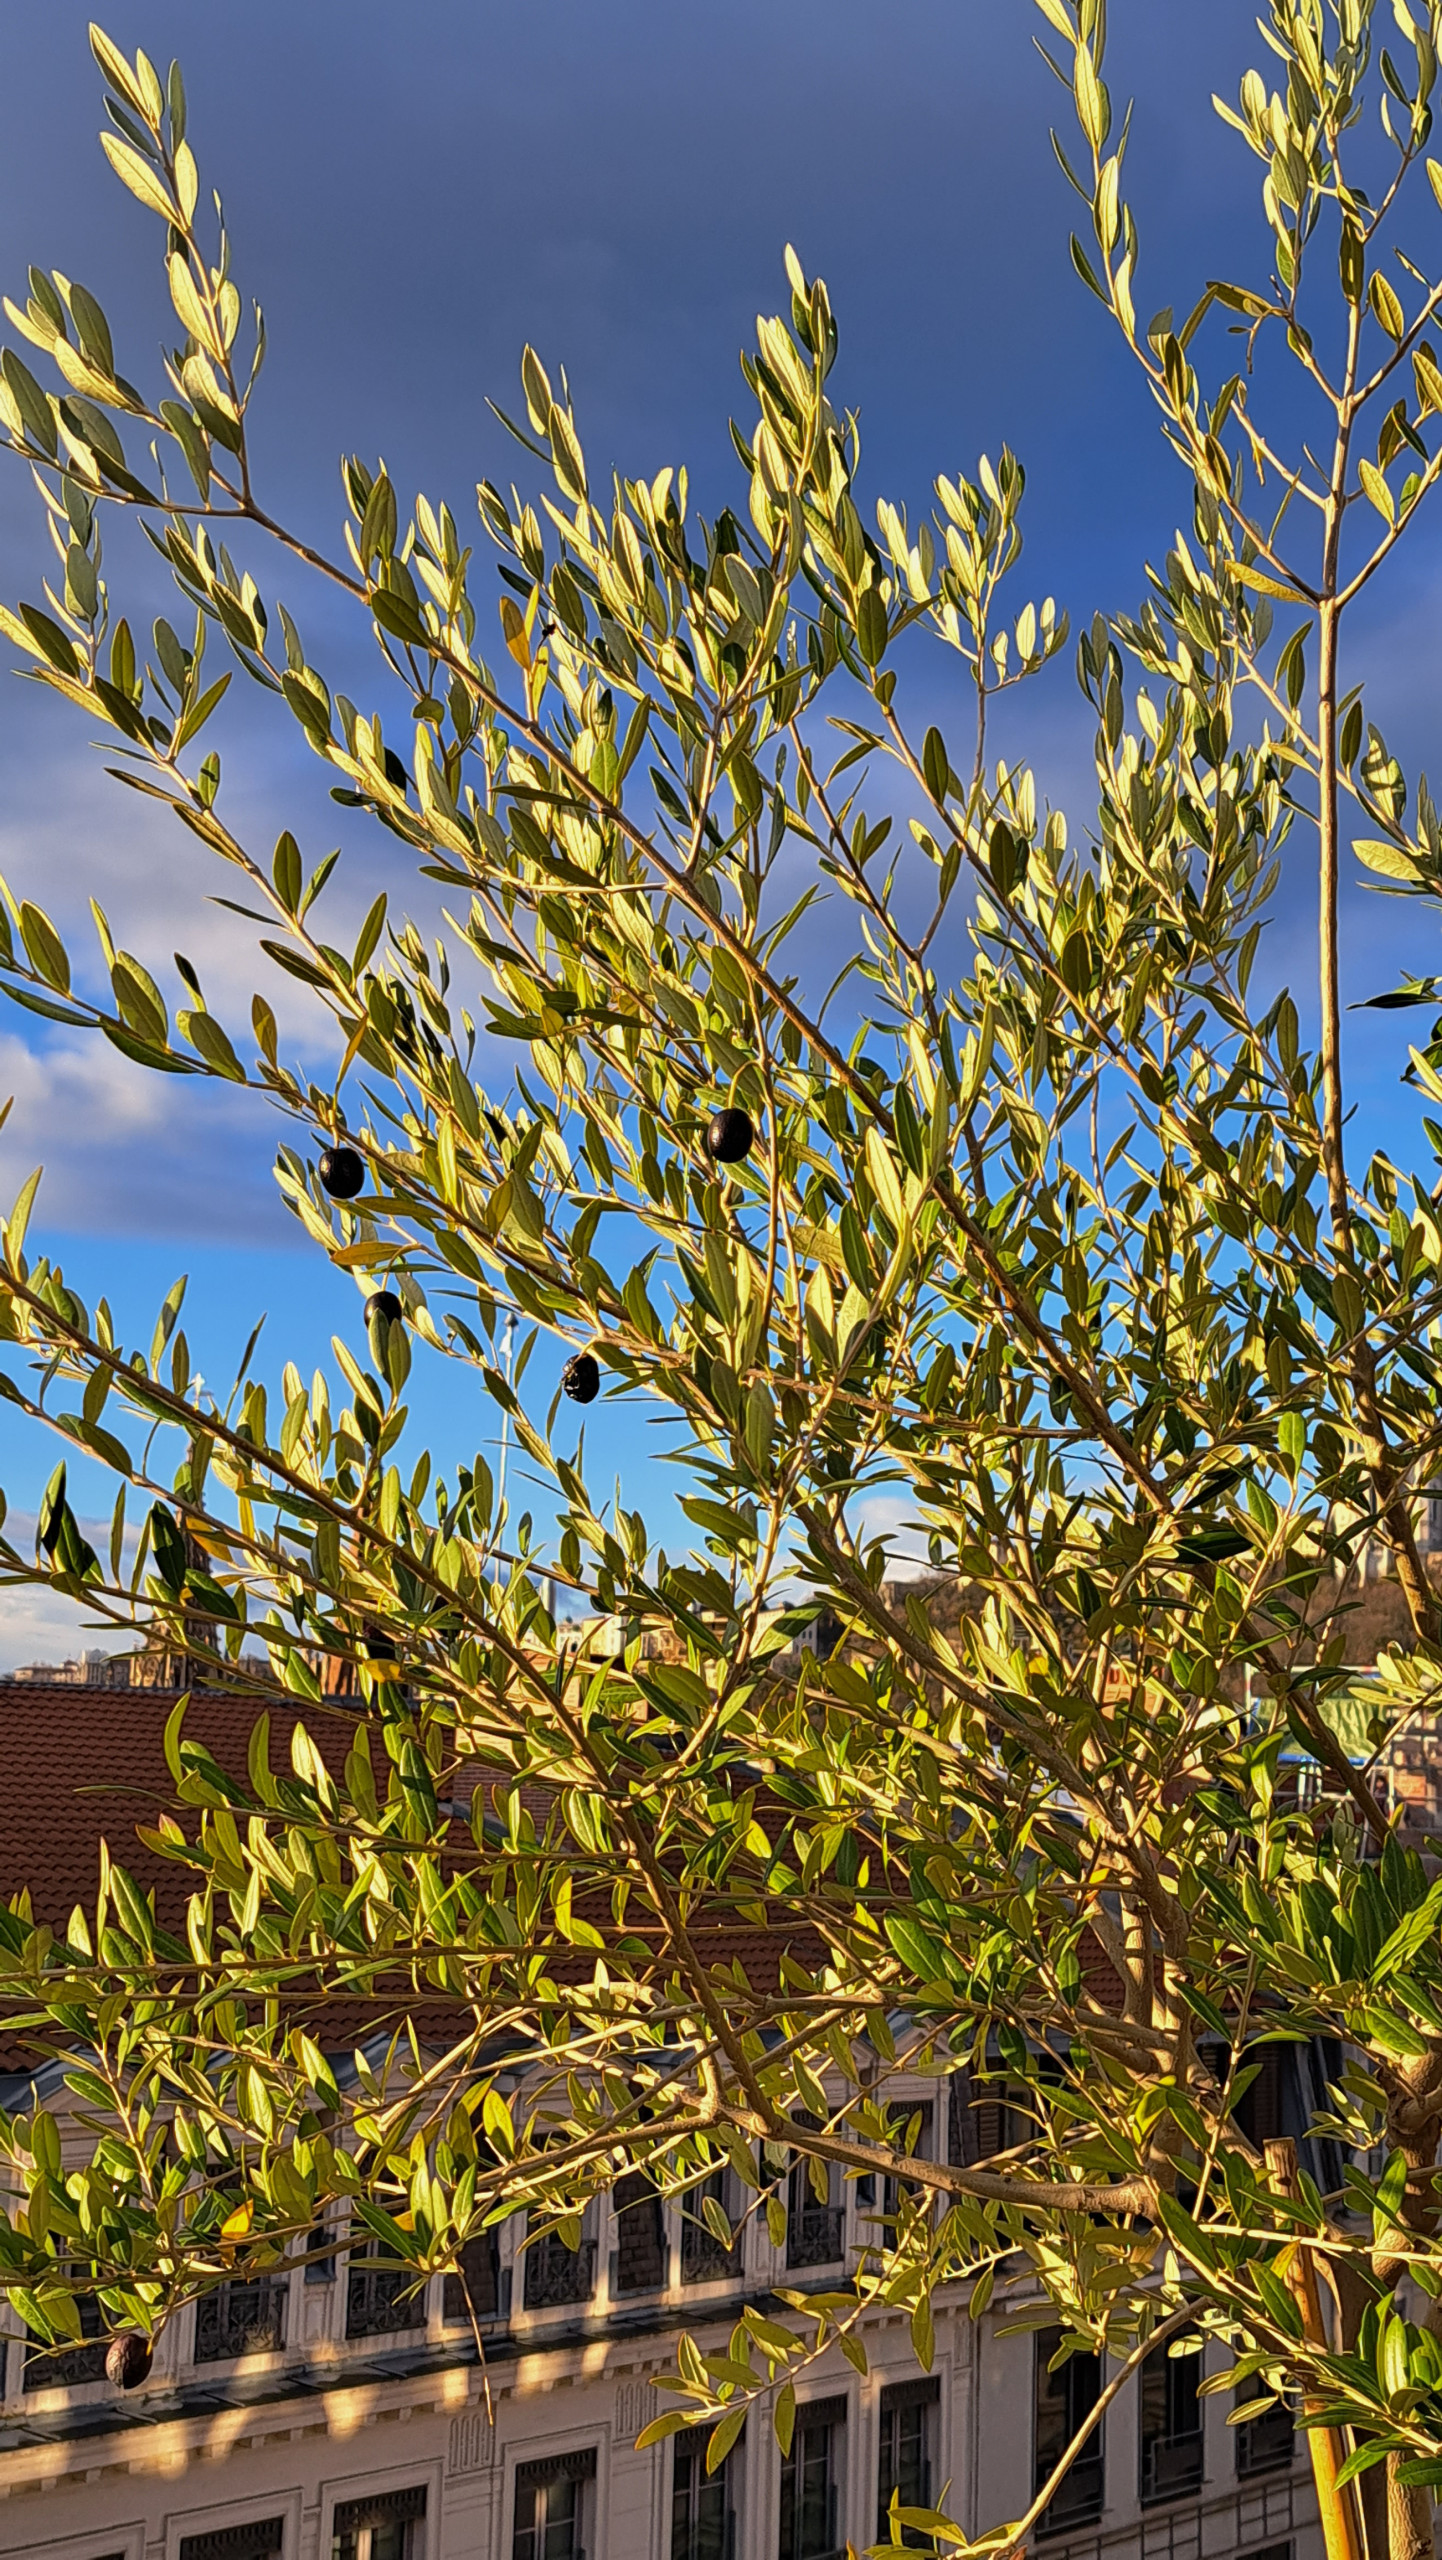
1010	1204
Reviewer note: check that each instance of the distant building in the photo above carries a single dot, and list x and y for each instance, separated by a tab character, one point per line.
142	1668
92	1671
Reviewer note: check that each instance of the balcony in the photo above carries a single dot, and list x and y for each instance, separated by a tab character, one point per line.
62	2368
240	2320
478	2290
381	2298
815	2234
704	2258
641	2259
1266	2444
557	2276
1172	2467
1079	2499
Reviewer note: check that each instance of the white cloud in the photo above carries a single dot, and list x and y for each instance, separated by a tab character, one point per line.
71	833
41	1625
126	1149
892	1518
38	1624
129	1151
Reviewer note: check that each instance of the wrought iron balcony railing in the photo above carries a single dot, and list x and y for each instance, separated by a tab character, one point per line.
814	2236
241	2320
381	2298
1172	2466
704	2258
557	2275
1080	2498
61	2368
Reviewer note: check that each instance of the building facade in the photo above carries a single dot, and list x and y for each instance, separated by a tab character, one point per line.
326	2413
329	2415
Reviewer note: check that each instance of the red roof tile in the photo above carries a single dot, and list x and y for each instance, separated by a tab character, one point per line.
84	1763
80	1763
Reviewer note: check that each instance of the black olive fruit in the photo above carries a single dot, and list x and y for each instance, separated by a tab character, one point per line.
127	2360
729	1137
384	1306
341	1172
581	1379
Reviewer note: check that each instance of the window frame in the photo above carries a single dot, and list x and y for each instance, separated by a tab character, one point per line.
876	2223
353	2488
551	2251
1242	2432
803	2206
643	2197
233	2516
831	2414
413	2499
107	2542
692	2442
578	2462
916	2391
459	2314
371	2251
1060	2518
709	2263
1169	2367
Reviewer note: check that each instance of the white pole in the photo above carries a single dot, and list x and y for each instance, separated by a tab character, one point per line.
508	1363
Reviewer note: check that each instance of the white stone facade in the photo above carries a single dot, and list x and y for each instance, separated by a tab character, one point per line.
400	2446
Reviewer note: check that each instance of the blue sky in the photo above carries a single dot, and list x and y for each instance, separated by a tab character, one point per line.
413	194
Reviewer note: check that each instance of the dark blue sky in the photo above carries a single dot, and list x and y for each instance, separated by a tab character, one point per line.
414	193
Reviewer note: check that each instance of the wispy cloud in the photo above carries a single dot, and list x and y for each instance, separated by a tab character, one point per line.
891	1517
38	1624
129	1152
43	1626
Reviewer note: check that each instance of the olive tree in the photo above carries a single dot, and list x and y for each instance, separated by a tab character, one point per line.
995	1190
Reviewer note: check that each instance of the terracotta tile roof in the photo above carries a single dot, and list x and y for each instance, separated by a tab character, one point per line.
83	1763
80	1763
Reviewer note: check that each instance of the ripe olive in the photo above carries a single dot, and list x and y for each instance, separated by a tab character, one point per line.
127	2360
385	1307
341	1172
729	1137
581	1379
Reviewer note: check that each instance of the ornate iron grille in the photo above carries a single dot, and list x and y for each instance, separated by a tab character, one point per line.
61	2368
380	2297
240	2320
556	2274
704	2258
